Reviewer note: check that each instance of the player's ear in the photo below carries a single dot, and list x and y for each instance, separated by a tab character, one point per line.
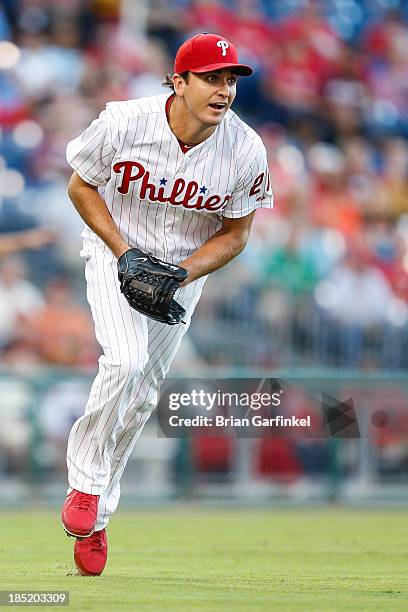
179	83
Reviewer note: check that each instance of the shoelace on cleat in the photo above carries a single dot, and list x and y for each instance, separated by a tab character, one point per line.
97	541
84	503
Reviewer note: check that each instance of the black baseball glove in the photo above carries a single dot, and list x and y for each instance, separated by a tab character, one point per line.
149	285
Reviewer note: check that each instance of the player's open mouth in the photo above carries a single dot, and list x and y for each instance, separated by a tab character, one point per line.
218	106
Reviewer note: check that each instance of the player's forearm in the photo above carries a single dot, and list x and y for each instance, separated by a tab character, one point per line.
215	253
93	210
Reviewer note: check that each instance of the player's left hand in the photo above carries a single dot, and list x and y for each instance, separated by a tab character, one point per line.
149	285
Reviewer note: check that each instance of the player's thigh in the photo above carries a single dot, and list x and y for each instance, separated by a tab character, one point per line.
121	331
164	340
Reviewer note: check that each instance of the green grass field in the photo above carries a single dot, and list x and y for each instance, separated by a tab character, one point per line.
182	559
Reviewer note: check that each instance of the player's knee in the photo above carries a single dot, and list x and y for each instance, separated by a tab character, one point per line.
145	403
130	369
126	369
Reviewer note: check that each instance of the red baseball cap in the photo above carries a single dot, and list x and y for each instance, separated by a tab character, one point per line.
207	52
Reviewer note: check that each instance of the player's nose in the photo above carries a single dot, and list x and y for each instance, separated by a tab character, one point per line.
223	88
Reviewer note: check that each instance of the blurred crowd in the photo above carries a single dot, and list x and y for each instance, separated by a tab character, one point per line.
324	279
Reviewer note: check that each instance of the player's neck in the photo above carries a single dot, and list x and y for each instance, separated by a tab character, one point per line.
185	126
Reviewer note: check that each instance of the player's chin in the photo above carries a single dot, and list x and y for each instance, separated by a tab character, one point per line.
214	117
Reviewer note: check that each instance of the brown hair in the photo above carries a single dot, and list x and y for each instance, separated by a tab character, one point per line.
168	81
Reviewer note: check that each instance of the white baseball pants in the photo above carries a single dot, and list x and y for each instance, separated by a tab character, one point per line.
137	354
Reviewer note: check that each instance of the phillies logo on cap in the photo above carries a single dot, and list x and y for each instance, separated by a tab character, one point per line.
201	53
224	46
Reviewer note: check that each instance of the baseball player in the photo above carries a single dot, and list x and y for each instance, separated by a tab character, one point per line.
167	186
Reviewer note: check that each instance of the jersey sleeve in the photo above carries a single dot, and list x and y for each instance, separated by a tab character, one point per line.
91	153
253	189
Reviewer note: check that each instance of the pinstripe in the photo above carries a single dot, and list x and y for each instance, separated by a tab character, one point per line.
147	211
88	142
173	233
193	232
121	196
157	207
133	186
138	224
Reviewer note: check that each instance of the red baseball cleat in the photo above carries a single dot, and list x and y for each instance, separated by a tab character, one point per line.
79	513
90	554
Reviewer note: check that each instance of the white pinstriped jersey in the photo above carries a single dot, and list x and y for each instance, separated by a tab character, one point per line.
165	201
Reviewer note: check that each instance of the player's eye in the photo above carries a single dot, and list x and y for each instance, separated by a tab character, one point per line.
232	80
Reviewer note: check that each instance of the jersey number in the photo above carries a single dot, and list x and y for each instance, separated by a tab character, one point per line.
256	185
